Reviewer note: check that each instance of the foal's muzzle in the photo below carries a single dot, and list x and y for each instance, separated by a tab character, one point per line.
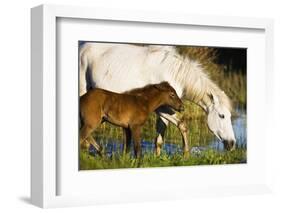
181	108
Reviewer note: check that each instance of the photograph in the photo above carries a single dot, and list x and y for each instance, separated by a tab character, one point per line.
160	105
164	107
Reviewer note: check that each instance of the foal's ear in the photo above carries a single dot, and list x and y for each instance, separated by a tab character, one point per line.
163	85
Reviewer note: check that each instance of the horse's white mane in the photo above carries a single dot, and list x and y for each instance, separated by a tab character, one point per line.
191	76
154	48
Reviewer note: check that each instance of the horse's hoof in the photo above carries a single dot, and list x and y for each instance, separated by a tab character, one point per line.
186	155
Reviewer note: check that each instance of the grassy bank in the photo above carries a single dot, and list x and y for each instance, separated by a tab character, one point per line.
208	157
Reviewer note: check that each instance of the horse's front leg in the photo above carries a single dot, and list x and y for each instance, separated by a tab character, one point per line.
161	125
181	126
184	131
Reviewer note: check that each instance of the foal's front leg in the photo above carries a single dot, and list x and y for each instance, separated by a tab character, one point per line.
126	140
136	134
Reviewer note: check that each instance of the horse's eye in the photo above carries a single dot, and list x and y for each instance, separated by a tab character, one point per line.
172	95
221	116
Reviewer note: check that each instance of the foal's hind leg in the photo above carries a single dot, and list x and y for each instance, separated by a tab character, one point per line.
85	131
95	145
85	137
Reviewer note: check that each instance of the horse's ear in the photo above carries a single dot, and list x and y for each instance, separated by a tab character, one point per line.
214	99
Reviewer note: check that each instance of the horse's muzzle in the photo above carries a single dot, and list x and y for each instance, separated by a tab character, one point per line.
229	145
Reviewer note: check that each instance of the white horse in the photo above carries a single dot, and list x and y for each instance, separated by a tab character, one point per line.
122	67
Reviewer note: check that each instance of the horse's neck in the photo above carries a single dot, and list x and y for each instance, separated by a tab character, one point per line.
193	84
205	103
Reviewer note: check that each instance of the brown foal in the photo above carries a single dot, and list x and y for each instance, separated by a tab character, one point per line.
129	110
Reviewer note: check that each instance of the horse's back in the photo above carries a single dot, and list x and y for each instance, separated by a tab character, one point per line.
122	67
98	50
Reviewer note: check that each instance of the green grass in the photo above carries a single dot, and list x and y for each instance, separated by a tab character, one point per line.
208	157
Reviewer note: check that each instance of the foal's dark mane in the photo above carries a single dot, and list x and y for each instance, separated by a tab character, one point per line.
141	90
144	90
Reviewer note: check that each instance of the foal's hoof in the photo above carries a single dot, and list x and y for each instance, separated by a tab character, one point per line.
101	153
84	146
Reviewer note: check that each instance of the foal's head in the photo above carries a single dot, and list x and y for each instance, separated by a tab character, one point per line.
169	96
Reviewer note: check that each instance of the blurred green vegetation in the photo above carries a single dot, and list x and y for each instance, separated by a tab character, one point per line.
230	76
208	157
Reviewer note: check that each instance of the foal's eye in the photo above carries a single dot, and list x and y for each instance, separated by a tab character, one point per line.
172	95
221	116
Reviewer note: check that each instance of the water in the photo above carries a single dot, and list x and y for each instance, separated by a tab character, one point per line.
111	146
203	140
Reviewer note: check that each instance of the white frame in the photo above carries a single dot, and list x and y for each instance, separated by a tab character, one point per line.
43	91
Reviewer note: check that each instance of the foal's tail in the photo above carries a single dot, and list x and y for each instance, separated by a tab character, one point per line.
81	120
